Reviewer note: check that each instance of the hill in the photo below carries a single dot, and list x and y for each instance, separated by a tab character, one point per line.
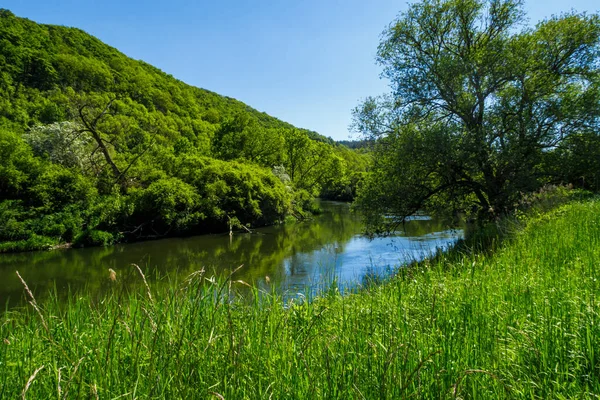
96	147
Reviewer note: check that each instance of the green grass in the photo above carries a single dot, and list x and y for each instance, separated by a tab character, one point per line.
522	322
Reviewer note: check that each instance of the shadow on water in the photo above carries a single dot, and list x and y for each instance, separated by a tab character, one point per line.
297	257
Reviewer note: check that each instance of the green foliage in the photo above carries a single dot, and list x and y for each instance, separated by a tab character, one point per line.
321	169
33	242
167	203
17	165
97	148
481	111
94	237
57	187
578	161
62	143
12	212
249	193
21	231
243	138
83	73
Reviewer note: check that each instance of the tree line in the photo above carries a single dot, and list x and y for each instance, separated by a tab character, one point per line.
483	111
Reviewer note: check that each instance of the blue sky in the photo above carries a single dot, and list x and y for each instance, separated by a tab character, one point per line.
306	62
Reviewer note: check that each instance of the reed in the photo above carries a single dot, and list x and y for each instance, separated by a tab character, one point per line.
521	322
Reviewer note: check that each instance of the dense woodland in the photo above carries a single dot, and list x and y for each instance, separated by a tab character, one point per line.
483	110
97	148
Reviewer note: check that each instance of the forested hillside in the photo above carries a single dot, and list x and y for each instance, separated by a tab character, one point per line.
96	148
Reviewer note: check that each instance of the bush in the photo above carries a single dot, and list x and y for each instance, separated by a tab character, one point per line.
168	204
94	237
247	192
17	165
304	204
57	187
33	242
12	216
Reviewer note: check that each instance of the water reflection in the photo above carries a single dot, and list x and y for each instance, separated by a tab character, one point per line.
294	256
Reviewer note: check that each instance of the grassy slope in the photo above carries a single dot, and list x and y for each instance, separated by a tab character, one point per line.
522	323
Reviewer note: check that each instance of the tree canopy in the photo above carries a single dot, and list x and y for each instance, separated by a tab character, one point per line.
482	108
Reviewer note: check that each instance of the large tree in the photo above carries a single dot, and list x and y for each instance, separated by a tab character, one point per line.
478	102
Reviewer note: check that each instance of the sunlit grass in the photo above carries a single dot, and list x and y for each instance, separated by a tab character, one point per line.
521	323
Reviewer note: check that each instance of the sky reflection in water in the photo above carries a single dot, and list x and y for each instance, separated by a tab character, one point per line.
299	257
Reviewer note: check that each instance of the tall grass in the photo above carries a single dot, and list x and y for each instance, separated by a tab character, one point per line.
520	323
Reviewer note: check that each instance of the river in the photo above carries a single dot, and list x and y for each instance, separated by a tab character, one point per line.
297	257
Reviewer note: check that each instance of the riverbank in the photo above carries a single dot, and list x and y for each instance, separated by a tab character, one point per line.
296	256
35	243
520	323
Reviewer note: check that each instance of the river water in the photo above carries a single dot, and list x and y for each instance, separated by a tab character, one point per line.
297	258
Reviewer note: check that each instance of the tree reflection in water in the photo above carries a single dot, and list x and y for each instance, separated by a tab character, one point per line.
297	257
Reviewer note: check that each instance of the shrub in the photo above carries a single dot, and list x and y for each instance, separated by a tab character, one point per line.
94	237
17	165
57	187
167	204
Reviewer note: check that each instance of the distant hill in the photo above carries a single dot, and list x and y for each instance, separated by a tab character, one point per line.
354	144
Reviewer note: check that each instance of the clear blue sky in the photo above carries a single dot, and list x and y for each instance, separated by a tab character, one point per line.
306	62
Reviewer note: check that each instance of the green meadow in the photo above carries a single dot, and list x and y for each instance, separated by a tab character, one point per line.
521	321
